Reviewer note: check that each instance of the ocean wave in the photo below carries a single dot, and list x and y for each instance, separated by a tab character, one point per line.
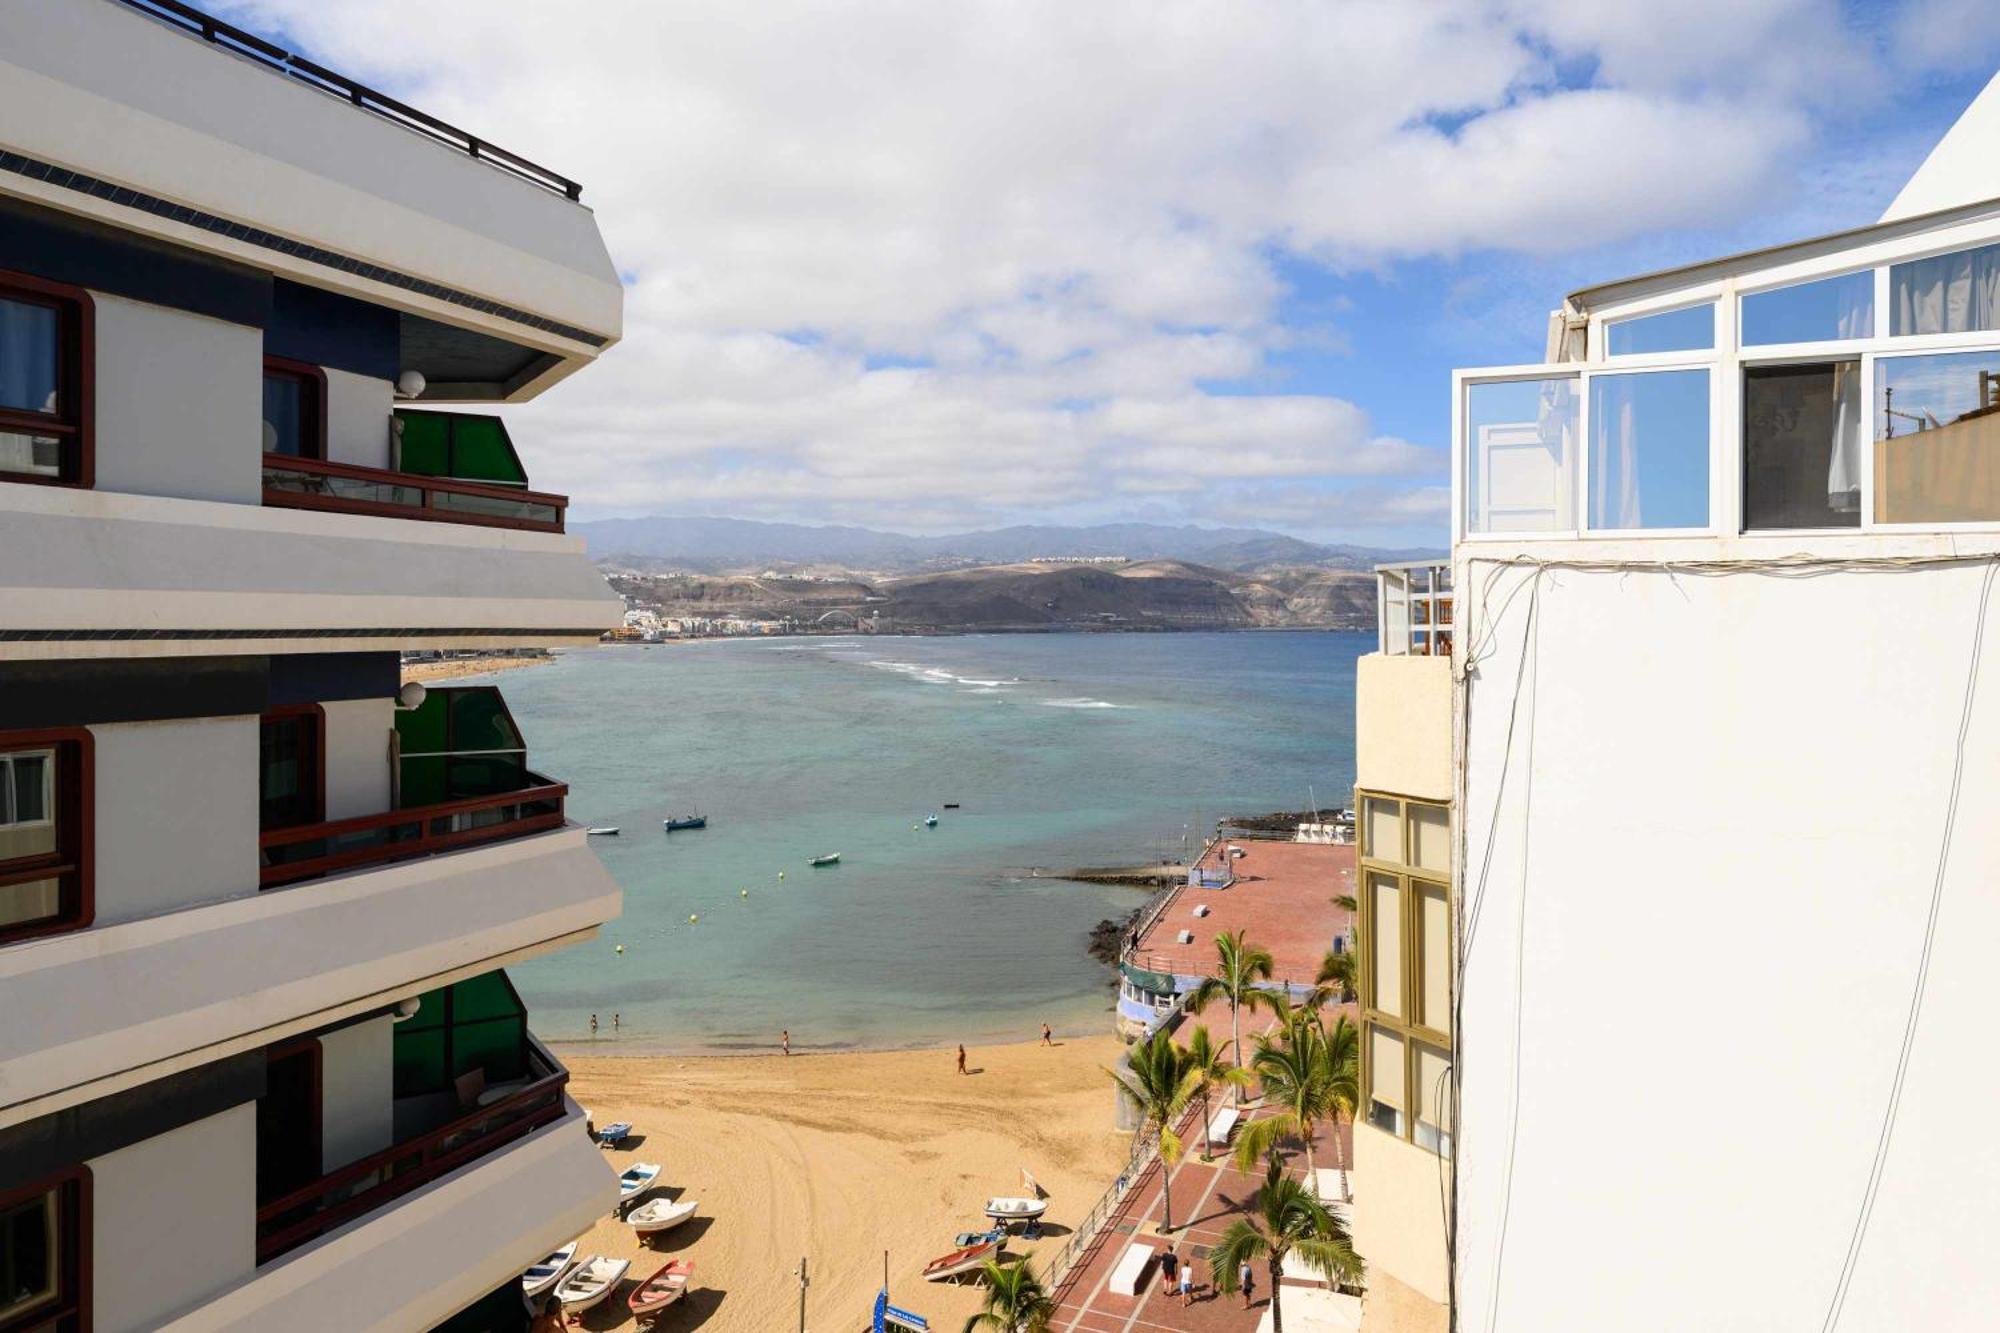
1081	703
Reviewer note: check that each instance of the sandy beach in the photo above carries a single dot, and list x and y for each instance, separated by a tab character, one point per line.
836	1158
453	668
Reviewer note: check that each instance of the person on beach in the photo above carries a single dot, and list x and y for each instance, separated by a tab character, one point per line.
785	1040
1244	1277
1170	1264
1046	1034
614	1021
961	1058
593	1025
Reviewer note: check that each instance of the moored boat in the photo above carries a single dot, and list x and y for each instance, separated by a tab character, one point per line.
548	1272
674	823
604	831
1016	1210
930	821
592	1281
662	1289
830	859
961	1261
660	1215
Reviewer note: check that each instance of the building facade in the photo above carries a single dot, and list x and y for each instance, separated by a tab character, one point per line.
260	1062
1724	743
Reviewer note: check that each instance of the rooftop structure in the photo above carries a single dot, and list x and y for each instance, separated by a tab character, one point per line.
263	1065
1723	575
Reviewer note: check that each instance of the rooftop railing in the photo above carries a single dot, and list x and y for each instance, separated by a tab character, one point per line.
232	38
312	483
308	851
360	1187
1413	608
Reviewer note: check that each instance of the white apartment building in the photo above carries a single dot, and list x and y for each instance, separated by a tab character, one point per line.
260	1063
1723	759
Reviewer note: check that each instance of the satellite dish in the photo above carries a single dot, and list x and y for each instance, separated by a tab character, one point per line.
411	383
412	695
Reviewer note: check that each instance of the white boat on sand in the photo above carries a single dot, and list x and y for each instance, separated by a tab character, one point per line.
1016	1210
657	1215
636	1178
549	1271
593	1280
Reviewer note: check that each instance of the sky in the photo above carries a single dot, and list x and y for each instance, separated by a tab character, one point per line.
932	265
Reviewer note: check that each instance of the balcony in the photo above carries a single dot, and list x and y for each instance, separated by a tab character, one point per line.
309	851
1413	608
502	1115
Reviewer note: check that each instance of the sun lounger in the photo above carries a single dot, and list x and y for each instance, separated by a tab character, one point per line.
1129	1277
1222	1126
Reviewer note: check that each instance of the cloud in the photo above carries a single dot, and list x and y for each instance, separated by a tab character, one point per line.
972	262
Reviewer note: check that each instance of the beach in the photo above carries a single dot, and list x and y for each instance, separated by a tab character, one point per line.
456	668
836	1158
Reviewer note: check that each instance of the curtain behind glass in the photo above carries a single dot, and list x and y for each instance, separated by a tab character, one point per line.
30	345
1947	294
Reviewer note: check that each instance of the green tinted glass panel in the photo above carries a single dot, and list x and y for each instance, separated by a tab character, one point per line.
484	775
419	1061
426	447
479	721
424	782
421	729
488	995
495	1047
482	452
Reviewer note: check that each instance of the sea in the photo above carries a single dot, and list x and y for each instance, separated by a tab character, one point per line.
1058	750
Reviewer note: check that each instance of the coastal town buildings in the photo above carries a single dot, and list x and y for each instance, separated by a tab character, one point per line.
260	1063
1714	750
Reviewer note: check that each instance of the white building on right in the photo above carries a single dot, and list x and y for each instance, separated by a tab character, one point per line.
1725	697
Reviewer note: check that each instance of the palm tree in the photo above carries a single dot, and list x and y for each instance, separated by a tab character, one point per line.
1284	1219
1338	981
1162	1080
1016	1301
1214	1069
1312	1074
1239	967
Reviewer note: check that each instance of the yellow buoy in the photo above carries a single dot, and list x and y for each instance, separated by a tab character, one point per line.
619	949
692	919
781	874
746	893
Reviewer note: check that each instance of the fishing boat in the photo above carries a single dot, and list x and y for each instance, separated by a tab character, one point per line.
951	805
675	823
592	1281
830	859
636	1178
966	1238
548	1272
930	821
1015	1210
961	1261
662	1289
605	831
659	1215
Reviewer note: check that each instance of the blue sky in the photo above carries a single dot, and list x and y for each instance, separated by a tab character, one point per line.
935	266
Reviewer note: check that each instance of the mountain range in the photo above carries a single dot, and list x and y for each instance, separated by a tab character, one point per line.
706	544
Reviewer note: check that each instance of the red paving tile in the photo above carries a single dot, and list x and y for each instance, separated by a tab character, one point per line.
1282	898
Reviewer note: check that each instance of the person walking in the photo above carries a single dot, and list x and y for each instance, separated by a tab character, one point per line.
593	1025
1170	1265
961	1057
1245	1275
785	1040
1187	1283
1046	1034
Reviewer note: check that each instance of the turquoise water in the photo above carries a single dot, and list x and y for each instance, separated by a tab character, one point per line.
1063	750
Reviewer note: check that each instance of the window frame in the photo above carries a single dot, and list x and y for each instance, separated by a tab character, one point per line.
313	418
314	717
1412	883
76	389
73	805
70	1312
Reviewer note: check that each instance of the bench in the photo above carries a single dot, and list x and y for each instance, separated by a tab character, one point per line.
1222	1126
1129	1278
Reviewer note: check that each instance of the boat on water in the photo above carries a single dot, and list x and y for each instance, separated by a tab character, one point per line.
830	859
962	1261
1015	1209
548	1272
659	1215
662	1289
675	823
592	1281
930	821
605	831
636	1178
951	805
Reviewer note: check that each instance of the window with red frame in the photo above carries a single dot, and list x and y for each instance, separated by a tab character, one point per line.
291	778
294	408
44	833
45	1255
45	394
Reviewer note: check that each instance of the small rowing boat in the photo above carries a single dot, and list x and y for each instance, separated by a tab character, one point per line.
548	1272
1015	1210
951	805
830	859
636	1178
605	831
660	1215
961	1261
591	1282
662	1289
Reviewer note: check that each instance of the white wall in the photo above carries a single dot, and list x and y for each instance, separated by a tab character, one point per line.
1738	792
357	1075
176	817
173	1220
180	403
357	756
357	418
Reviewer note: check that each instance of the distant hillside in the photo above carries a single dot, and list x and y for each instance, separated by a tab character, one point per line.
665	543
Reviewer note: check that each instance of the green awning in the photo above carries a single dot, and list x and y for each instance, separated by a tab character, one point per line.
1157	982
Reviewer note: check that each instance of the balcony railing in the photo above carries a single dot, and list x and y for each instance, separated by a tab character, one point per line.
348	1192
1413	608
308	851
311	483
